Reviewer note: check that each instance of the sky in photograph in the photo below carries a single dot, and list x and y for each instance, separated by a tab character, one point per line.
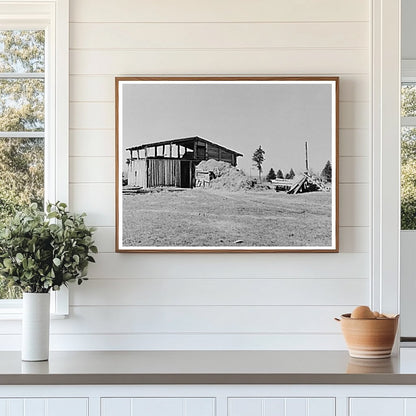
241	117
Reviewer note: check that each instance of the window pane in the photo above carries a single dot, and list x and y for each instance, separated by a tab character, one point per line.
22	109
408	100
22	51
408	178
21	173
22	105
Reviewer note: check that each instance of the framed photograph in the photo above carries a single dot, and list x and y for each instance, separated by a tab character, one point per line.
227	164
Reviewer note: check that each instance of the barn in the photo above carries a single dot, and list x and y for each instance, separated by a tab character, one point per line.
172	162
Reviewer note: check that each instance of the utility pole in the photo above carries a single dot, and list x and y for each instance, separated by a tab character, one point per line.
306	157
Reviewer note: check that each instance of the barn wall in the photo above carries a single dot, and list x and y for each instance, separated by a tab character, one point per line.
214	301
137	173
164	172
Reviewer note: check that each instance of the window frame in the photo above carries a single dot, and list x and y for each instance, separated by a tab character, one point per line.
53	17
408	76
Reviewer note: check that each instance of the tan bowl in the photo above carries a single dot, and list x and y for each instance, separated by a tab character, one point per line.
369	338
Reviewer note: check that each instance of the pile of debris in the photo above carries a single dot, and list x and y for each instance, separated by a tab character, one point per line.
308	183
222	175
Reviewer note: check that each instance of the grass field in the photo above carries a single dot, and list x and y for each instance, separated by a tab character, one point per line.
201	217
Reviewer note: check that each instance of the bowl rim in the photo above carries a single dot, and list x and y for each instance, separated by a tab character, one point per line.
347	316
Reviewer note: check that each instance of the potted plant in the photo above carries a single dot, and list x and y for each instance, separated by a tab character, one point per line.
40	252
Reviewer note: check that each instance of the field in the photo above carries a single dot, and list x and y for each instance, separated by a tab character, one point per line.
202	218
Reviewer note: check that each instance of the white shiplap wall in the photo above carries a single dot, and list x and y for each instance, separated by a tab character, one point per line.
214	301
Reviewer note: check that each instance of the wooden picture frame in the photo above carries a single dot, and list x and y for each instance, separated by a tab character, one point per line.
193	155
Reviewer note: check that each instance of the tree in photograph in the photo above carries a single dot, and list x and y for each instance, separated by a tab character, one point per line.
291	174
271	175
326	173
279	174
258	159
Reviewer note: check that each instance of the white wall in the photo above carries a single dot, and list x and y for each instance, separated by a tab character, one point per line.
214	301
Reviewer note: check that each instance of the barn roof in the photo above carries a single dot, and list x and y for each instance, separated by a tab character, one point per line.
187	142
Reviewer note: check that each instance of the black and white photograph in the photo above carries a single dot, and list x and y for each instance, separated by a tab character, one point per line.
227	164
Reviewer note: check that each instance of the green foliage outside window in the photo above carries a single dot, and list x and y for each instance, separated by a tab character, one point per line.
21	110
408	179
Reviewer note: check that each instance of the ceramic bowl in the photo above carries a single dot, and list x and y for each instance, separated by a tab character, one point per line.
369	338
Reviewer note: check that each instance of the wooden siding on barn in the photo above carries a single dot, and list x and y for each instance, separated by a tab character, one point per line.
137	173
217	153
163	172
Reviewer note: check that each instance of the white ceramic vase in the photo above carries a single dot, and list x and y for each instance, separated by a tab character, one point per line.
35	326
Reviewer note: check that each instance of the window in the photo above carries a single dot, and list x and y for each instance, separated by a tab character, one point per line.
408	149
33	112
22	124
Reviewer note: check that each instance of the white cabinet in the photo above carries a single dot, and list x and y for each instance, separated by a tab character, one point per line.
157	406
44	407
383	406
281	407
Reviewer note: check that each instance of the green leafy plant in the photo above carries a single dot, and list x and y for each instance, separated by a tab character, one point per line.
43	251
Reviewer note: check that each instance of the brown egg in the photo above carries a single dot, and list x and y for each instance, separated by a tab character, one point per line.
362	312
376	314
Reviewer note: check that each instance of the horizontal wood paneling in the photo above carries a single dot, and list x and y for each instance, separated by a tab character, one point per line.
91	169
354	115
94	143
218	35
271	265
218	11
145	342
200	319
98	88
194	319
354	142
217	292
92	115
237	62
354	239
353	170
96	199
354	208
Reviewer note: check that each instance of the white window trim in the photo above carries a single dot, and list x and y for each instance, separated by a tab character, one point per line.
53	15
385	206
